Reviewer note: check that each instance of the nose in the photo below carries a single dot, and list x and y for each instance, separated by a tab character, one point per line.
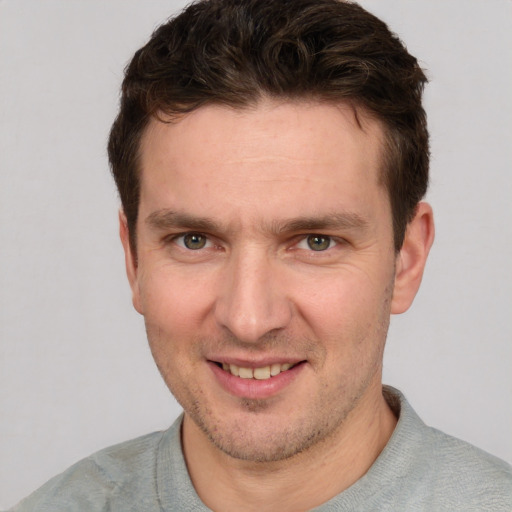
252	301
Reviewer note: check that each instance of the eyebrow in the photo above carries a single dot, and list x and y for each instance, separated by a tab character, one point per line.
335	221
170	219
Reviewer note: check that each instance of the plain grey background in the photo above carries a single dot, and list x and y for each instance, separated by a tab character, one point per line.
75	371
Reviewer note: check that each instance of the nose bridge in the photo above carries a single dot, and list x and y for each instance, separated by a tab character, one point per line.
251	302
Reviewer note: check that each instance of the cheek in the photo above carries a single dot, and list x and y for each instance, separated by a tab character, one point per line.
337	299
173	308
349	314
173	300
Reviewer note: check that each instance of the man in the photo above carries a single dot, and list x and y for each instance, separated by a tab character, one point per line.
271	158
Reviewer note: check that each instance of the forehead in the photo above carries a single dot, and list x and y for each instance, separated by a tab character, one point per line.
289	154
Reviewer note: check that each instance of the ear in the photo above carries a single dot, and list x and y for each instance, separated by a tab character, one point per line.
130	260
412	258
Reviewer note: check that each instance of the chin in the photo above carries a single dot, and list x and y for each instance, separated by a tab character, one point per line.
264	438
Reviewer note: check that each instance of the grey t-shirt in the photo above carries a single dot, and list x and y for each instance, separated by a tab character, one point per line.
420	469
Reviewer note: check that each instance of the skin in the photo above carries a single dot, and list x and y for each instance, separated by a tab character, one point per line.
254	184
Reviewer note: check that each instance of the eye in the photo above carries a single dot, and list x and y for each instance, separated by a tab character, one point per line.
192	241
317	243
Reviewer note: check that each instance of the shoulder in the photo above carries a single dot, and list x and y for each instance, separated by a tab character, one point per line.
469	471
122	474
448	473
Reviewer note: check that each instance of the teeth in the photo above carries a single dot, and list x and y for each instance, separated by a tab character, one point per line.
245	373
275	369
262	373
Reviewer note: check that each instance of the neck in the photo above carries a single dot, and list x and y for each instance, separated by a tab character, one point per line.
299	483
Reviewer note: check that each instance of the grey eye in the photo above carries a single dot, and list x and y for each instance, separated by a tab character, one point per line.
194	241
318	242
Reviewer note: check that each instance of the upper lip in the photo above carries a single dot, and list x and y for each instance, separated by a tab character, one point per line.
255	363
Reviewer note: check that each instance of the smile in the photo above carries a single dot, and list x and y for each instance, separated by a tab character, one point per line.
262	373
250	381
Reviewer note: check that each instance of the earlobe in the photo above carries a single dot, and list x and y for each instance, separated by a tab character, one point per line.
130	261
412	258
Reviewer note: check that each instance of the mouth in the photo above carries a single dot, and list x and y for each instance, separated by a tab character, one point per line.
260	373
256	380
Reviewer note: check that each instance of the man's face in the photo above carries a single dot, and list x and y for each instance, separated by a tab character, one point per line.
264	241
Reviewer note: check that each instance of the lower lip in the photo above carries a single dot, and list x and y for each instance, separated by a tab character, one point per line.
253	388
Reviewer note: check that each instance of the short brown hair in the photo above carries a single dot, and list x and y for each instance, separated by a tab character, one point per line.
232	52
